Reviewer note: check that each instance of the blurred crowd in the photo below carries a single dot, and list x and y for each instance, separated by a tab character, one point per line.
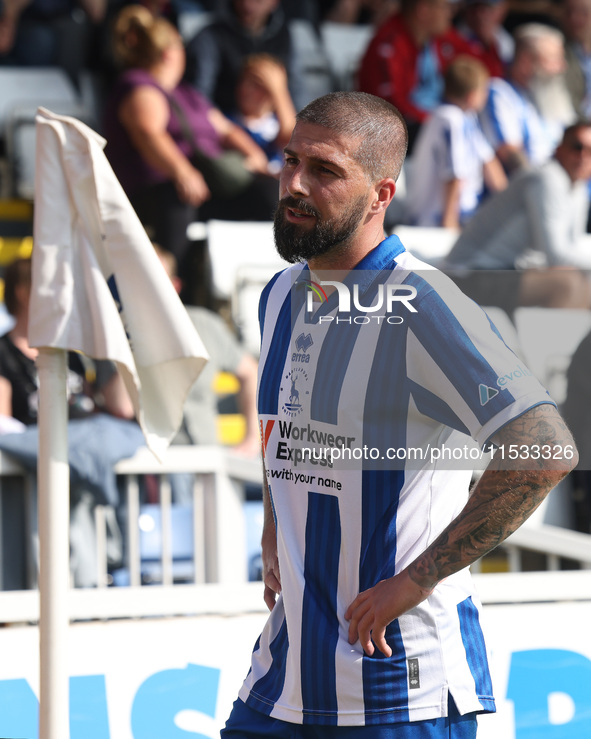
197	99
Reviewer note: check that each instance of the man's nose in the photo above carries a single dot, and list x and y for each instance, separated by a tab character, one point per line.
295	181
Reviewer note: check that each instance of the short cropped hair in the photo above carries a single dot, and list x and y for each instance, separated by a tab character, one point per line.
379	126
464	75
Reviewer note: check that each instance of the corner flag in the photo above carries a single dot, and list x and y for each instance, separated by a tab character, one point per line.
98	285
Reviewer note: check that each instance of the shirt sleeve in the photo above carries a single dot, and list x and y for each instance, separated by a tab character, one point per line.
461	372
500	119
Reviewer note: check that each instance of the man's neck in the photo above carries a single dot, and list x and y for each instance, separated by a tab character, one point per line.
346	256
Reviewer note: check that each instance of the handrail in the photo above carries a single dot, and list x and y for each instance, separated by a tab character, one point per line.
553	541
220	583
218	525
216	599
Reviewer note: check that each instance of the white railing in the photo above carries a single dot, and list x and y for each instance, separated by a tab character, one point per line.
218	513
218	523
219	578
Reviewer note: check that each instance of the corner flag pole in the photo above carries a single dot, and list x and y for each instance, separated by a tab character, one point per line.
53	475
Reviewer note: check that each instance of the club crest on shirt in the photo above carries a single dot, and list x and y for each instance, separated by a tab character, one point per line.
293	391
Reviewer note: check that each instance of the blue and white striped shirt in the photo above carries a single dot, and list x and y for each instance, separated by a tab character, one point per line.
381	379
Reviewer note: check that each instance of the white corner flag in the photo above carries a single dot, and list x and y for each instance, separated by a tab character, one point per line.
98	285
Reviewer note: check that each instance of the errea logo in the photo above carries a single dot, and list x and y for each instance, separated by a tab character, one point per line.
302	344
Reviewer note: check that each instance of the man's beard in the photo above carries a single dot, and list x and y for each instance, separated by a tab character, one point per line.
552	100
298	244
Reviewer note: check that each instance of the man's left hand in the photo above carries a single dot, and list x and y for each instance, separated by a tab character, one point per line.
371	611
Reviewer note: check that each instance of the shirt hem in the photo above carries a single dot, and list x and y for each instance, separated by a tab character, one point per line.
486	704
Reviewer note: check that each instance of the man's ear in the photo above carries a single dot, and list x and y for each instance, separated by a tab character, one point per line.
384	192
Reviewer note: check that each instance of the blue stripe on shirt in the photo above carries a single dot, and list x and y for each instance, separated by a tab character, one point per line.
271	684
272	373
475	647
433	407
333	363
444	338
384	679
492	115
320	625
264	299
386	403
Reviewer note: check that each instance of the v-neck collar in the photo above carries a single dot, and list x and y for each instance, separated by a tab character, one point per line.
363	275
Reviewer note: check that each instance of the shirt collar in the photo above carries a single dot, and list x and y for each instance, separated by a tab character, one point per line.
363	274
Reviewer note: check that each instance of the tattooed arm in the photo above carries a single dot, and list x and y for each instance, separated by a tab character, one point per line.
506	495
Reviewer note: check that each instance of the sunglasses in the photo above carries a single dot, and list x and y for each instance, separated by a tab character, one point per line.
579	146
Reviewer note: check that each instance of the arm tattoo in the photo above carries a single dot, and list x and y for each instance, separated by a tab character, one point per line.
506	495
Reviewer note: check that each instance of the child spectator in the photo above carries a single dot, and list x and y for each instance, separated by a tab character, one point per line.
453	163
265	108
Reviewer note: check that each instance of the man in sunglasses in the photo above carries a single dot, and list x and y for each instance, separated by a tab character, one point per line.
528	245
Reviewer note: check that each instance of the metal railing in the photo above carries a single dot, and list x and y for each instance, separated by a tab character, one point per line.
218	581
218	532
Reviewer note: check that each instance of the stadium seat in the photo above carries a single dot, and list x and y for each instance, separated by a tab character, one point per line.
24	89
345	45
549	337
232	245
150	524
431	244
311	59
191	21
250	281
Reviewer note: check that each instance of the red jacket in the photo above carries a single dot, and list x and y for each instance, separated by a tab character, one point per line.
389	66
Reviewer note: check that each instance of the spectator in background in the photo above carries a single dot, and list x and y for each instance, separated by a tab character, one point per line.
95	390
362	12
18	373
576	25
405	60
535	232
526	113
225	355
576	414
154	125
480	22
264	106
240	28
520	12
41	33
452	161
